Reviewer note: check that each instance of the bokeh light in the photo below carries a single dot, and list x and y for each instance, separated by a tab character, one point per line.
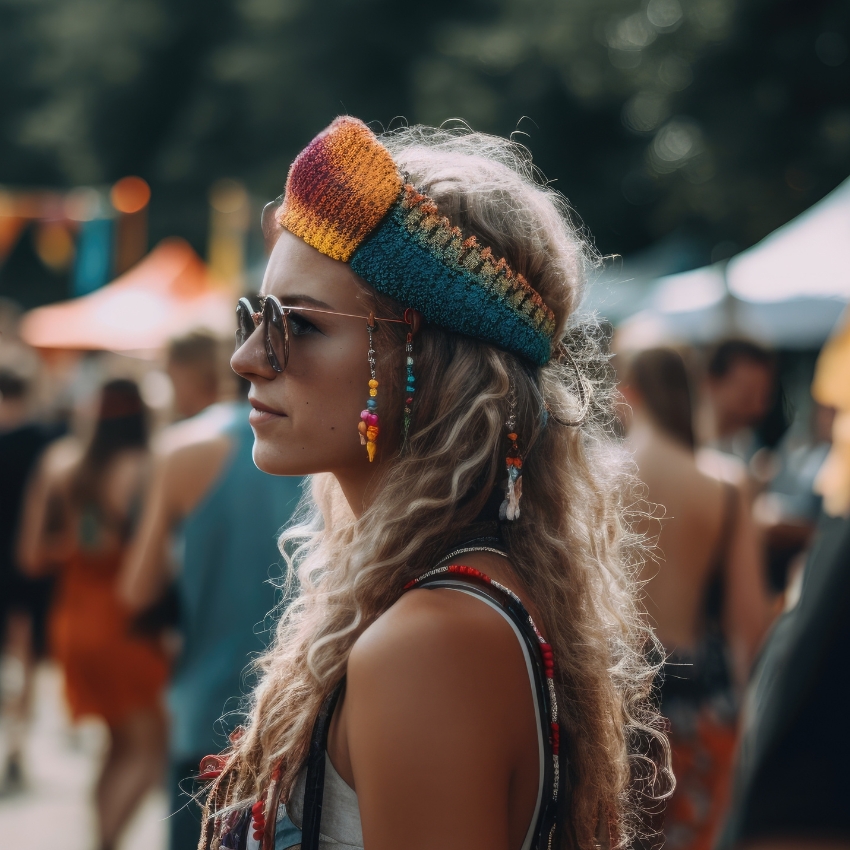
130	195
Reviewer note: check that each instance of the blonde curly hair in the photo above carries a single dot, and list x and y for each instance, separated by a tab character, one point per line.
572	547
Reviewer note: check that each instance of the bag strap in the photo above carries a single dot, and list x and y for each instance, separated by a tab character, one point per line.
314	788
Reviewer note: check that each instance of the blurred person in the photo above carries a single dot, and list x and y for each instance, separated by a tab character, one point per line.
409	700
194	365
704	594
94	490
209	504
739	391
792	784
24	600
788	509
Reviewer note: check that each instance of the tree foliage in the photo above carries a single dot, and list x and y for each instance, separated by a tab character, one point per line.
722	117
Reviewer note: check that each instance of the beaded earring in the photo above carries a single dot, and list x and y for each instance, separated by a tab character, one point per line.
368	425
513	464
410	386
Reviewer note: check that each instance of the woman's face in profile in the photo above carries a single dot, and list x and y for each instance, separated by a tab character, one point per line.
305	418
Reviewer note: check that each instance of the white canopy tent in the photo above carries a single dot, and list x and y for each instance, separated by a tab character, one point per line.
807	258
788	290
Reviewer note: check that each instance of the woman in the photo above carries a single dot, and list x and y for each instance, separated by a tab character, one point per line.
439	720
705	594
79	516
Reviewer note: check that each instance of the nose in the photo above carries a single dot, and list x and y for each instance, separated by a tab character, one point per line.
249	361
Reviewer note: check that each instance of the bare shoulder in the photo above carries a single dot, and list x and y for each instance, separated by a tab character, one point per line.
205	428
60	461
431	685
438	647
431	621
722	467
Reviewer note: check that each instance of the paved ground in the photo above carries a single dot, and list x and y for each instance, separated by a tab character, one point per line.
54	812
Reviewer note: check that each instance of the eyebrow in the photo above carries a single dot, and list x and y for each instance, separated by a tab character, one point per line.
305	301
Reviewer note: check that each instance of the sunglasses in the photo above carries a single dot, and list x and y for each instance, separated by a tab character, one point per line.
274	317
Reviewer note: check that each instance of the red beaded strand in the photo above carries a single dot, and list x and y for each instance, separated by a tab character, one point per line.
258	818
258	810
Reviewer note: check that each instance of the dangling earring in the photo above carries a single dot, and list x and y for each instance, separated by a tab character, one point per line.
368	425
410	386
513	464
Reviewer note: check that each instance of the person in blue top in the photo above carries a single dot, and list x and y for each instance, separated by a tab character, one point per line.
213	515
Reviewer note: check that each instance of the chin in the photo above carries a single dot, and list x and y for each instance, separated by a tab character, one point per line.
307	459
268	459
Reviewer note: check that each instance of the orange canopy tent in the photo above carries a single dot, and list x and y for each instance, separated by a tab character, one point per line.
166	294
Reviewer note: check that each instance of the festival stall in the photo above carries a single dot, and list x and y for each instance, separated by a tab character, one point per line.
787	290
168	293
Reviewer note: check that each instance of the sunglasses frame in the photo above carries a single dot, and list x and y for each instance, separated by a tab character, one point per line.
274	314
269	224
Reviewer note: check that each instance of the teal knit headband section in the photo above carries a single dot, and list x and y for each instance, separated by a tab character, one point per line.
346	198
430	269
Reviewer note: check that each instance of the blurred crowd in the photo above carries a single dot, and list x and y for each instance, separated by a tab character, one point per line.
137	553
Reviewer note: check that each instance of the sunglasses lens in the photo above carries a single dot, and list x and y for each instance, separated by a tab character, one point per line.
244	322
277	335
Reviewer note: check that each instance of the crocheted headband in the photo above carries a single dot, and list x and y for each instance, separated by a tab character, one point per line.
346	198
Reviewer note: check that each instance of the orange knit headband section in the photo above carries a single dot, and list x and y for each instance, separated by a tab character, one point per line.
339	188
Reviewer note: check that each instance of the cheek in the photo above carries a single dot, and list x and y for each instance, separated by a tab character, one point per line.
323	402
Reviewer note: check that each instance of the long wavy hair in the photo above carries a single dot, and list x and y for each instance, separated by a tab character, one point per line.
121	426
572	547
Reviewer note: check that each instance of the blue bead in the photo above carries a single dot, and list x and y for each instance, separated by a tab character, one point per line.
371	404
410	378
411	389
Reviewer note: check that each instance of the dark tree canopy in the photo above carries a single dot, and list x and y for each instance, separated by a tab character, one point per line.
719	118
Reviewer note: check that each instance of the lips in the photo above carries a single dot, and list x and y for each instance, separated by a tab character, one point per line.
262	413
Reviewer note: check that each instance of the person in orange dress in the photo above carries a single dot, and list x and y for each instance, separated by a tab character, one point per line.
78	518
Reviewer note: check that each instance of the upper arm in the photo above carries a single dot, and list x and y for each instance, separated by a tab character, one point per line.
187	464
145	567
38	546
428	696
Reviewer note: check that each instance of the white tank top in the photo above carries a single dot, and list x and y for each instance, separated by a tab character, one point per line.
341	828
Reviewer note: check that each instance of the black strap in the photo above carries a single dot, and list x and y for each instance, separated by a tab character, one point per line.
728	521
716	577
314	789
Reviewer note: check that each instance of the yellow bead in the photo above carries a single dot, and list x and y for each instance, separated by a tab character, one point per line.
373	393
370	450
373	384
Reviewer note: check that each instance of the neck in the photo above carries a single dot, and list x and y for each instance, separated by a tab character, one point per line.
641	429
359	488
645	432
